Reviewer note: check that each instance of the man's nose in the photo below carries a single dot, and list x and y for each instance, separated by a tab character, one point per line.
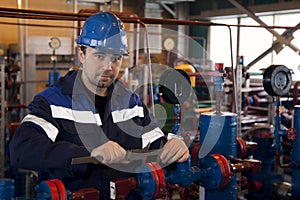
108	62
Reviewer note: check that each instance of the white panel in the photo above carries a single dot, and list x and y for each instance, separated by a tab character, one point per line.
39	45
155	38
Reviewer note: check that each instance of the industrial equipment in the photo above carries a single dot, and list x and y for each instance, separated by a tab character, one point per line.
53	76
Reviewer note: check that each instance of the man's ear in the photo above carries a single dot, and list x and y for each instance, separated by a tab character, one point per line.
80	54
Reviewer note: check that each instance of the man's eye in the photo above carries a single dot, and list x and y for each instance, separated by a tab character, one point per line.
100	57
116	59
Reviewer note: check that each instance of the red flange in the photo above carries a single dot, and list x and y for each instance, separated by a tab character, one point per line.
225	169
53	189
58	191
60	188
161	177
156	179
243	148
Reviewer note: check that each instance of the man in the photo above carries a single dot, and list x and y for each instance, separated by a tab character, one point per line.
89	113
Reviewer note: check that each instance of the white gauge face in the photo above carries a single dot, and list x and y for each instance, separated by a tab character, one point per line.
54	43
169	44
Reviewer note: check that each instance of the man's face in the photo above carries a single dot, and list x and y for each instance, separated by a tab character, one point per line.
100	69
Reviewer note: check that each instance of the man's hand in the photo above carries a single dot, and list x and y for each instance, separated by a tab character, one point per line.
174	150
110	152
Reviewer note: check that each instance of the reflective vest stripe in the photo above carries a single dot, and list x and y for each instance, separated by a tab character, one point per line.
126	114
151	136
87	117
49	128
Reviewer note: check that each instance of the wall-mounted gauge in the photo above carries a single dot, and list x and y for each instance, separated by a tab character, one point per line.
54	43
169	44
277	80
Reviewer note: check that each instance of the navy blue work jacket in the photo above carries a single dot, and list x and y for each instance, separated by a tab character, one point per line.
63	123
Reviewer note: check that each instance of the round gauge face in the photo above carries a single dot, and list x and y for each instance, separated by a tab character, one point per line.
169	44
54	43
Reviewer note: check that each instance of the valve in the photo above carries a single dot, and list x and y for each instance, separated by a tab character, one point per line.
291	133
151	181
52	189
217	170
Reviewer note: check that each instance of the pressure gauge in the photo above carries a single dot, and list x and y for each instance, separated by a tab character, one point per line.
54	42
169	44
277	80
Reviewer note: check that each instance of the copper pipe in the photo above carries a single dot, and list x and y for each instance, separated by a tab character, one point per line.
38	25
40	17
206	74
125	17
50	13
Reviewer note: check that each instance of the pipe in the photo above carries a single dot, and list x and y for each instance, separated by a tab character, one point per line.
233	74
278	134
278	161
38	25
295	93
189	68
127	18
149	67
296	155
218	135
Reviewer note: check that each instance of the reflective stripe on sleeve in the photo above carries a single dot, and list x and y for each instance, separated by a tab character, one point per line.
49	128
87	117
151	136
126	114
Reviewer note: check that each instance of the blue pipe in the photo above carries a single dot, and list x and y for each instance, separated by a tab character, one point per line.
218	135
296	156
278	132
7	188
53	77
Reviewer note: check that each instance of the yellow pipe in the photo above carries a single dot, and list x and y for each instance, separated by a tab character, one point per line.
188	68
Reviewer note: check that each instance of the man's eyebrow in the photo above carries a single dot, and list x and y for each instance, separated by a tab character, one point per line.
105	54
99	53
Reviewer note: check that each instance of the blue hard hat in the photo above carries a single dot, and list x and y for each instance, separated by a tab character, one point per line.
105	32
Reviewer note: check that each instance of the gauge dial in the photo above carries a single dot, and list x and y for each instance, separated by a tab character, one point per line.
54	42
169	44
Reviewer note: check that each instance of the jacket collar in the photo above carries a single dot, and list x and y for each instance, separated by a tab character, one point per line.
72	80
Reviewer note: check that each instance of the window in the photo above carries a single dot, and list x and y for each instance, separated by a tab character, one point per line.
254	41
